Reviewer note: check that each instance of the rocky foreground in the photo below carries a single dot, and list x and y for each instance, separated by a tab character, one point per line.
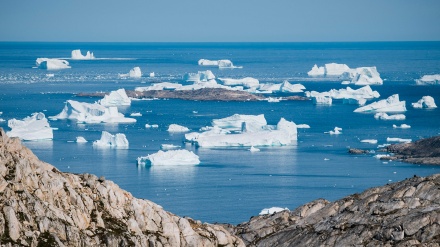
41	206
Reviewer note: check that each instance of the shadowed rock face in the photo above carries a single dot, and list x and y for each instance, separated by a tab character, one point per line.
41	206
425	151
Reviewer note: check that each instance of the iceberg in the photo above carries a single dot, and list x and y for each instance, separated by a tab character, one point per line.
254	149
329	69
2	120
136	114
116	98
222	64
348	95
134	73
425	102
335	131
76	55
168	146
287	87
364	76
206	62
159	86
384	116
429	80
152	74
395	139
272	210
316	71
247	82
199	76
154	126
52	63
32	128
177	128
371	141
239	122
391	104
322	100
171	157
80	139
303	126
402	126
108	140
91	113
274	100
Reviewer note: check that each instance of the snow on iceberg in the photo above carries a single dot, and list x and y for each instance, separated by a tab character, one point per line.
108	140
80	139
115	98
272	210
76	55
247	82
402	126
384	116
429	80
32	128
177	128
199	76
52	63
171	157
134	73
91	113
425	102
391	104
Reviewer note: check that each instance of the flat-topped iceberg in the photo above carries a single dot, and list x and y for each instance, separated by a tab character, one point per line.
247	82
159	86
396	139
391	104
429	80
370	141
91	113
32	128
168	146
322	100
384	116
284	133
134	73
425	102
272	210
76	55
177	128
222	64
114	141
116	98
284	87
170	157
199	76
348	95
329	69
238	122
402	126
52	63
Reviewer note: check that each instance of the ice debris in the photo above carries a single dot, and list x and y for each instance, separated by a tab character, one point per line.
168	146
254	149
395	139
170	157
425	102
76	55
108	140
335	131
32	128
391	104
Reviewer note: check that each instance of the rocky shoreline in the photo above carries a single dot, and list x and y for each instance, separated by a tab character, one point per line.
425	151
42	206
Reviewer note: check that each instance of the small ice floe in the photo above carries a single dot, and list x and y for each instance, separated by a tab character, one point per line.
383	145
402	126
171	157
108	140
254	149
272	210
335	131
425	102
52	63
222	64
80	139
326	159
395	139
168	146
136	114
2	120
371	141
152	74
303	126
384	116
177	128
274	100
151	126
379	156
195	112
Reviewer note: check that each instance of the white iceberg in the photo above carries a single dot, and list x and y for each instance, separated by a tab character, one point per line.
395	139
52	63
199	76
335	131
153	126
274	100
222	64
287	87
32	128
364	76
108	140
254	149
206	62
177	128
171	157
425	102
316	71
329	69
402	126
384	116
322	100
115	98
76	55
391	104
303	126
348	93
134	73
152	74
239	122
91	113
371	141
272	210
2	120
429	80
247	82
159	86
168	146
136	114
80	139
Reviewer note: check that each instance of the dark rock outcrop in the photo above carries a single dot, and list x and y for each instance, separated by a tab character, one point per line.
425	151
357	151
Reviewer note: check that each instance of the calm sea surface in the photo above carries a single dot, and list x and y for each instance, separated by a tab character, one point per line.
231	184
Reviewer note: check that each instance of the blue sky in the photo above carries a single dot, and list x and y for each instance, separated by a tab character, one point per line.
219	21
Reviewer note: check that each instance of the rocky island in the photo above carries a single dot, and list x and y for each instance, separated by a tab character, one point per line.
42	206
425	151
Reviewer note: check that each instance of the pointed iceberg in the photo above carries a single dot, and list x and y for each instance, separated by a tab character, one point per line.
114	141
76	55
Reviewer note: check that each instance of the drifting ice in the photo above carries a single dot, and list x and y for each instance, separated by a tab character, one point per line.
357	76
371	141
384	116
134	73
395	139
402	126
335	131
429	80
80	139
76	55
330	69
199	76
425	102
52	63
116	98
391	104
91	113
168	146
247	82
171	157
108	140
254	149
236	122
35	127
222	64
177	128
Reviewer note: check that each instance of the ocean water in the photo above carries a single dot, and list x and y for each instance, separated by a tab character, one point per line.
231	184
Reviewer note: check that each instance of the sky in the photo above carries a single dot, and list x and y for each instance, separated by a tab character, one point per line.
219	21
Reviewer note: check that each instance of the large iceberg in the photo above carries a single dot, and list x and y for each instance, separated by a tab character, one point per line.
108	140
284	87
177	128
364	76
199	76
329	69
52	63
116	98
247	82
34	127
429	80
170	157
92	113
348	95
425	102
134	73
322	100
237	122
284	133
222	64
76	55
391	104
